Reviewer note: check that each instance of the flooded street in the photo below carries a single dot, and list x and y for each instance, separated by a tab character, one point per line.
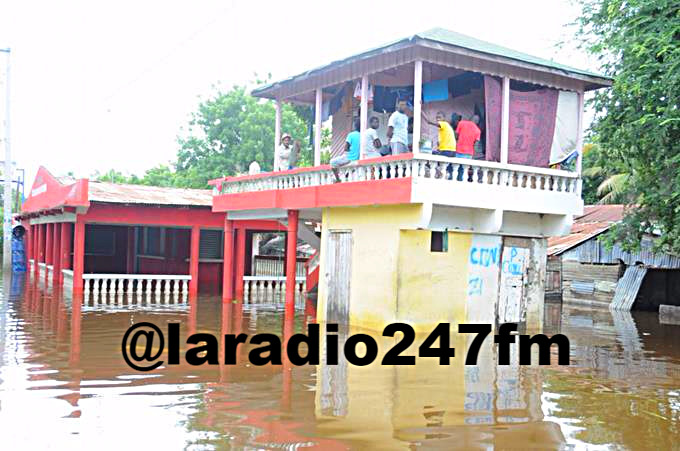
64	383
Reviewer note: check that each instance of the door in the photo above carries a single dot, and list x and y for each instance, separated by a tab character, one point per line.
338	274
513	274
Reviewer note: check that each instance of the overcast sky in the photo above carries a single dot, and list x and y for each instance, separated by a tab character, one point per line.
99	85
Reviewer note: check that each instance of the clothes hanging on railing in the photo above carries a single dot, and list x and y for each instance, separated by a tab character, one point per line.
531	123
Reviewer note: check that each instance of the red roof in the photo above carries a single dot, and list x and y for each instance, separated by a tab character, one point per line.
595	220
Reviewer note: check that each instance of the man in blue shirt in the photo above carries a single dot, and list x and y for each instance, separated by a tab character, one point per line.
351	153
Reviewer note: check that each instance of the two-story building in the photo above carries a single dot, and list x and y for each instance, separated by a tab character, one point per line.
400	239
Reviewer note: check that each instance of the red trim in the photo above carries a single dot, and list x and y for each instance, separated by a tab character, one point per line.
228	256
49	193
372	192
193	260
291	257
148	215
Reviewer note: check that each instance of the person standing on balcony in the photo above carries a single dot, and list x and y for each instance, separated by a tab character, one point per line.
351	153
397	129
288	152
468	134
447	139
372	144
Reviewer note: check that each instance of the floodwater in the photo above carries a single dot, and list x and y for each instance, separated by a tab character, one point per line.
64	383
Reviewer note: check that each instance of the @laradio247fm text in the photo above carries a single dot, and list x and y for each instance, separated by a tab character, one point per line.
143	345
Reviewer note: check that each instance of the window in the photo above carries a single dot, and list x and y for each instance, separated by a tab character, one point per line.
154	241
100	241
210	245
439	241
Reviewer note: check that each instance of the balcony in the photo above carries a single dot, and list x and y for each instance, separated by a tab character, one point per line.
481	195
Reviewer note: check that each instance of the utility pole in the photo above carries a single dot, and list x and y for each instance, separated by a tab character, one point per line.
8	176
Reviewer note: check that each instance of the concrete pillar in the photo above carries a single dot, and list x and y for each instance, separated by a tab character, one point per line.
66	241
505	120
228	258
318	106
417	104
240	263
49	246
78	256
291	260
56	254
130	254
193	260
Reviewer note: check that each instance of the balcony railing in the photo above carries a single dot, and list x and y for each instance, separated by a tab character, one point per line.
456	171
271	290
136	284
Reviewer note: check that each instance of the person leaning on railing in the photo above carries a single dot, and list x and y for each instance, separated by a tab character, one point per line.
288	151
446	146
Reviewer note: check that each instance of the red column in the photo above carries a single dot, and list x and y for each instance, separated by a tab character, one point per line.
66	243
193	260
28	239
78	256
291	254
240	262
48	243
56	256
40	248
228	258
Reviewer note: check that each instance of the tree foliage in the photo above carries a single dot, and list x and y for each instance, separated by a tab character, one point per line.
637	122
229	131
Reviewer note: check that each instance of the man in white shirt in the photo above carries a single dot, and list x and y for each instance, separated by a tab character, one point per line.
372	143
397	129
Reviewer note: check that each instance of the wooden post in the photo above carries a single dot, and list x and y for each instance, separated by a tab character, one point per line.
505	120
240	263
363	116
193	260
56	255
291	257
228	258
66	242
78	255
318	107
49	247
417	104
277	134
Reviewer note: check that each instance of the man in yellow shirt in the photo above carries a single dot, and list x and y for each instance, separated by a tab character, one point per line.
446	146
447	139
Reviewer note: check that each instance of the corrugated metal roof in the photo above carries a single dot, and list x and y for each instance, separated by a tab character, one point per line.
627	288
148	195
448	37
595	220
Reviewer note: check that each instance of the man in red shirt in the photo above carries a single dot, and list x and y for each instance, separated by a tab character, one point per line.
468	134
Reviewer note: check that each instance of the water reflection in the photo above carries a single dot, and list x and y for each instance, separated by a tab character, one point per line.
63	382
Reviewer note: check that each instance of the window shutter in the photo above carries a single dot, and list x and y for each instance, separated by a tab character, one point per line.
210	245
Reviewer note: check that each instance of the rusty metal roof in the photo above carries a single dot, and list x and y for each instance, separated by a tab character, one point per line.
148	195
595	220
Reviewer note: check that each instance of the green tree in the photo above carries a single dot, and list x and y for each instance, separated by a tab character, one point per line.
638	120
604	182
229	131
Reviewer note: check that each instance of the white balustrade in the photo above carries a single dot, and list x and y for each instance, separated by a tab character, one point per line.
452	170
271	290
137	284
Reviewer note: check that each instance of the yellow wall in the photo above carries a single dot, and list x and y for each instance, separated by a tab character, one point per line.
375	253
432	286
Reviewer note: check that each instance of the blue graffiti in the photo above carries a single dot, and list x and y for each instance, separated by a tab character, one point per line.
513	265
475	285
484	256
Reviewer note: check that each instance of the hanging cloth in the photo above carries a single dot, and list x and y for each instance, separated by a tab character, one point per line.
436	91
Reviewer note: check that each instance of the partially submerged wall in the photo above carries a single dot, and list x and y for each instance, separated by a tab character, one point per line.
396	276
